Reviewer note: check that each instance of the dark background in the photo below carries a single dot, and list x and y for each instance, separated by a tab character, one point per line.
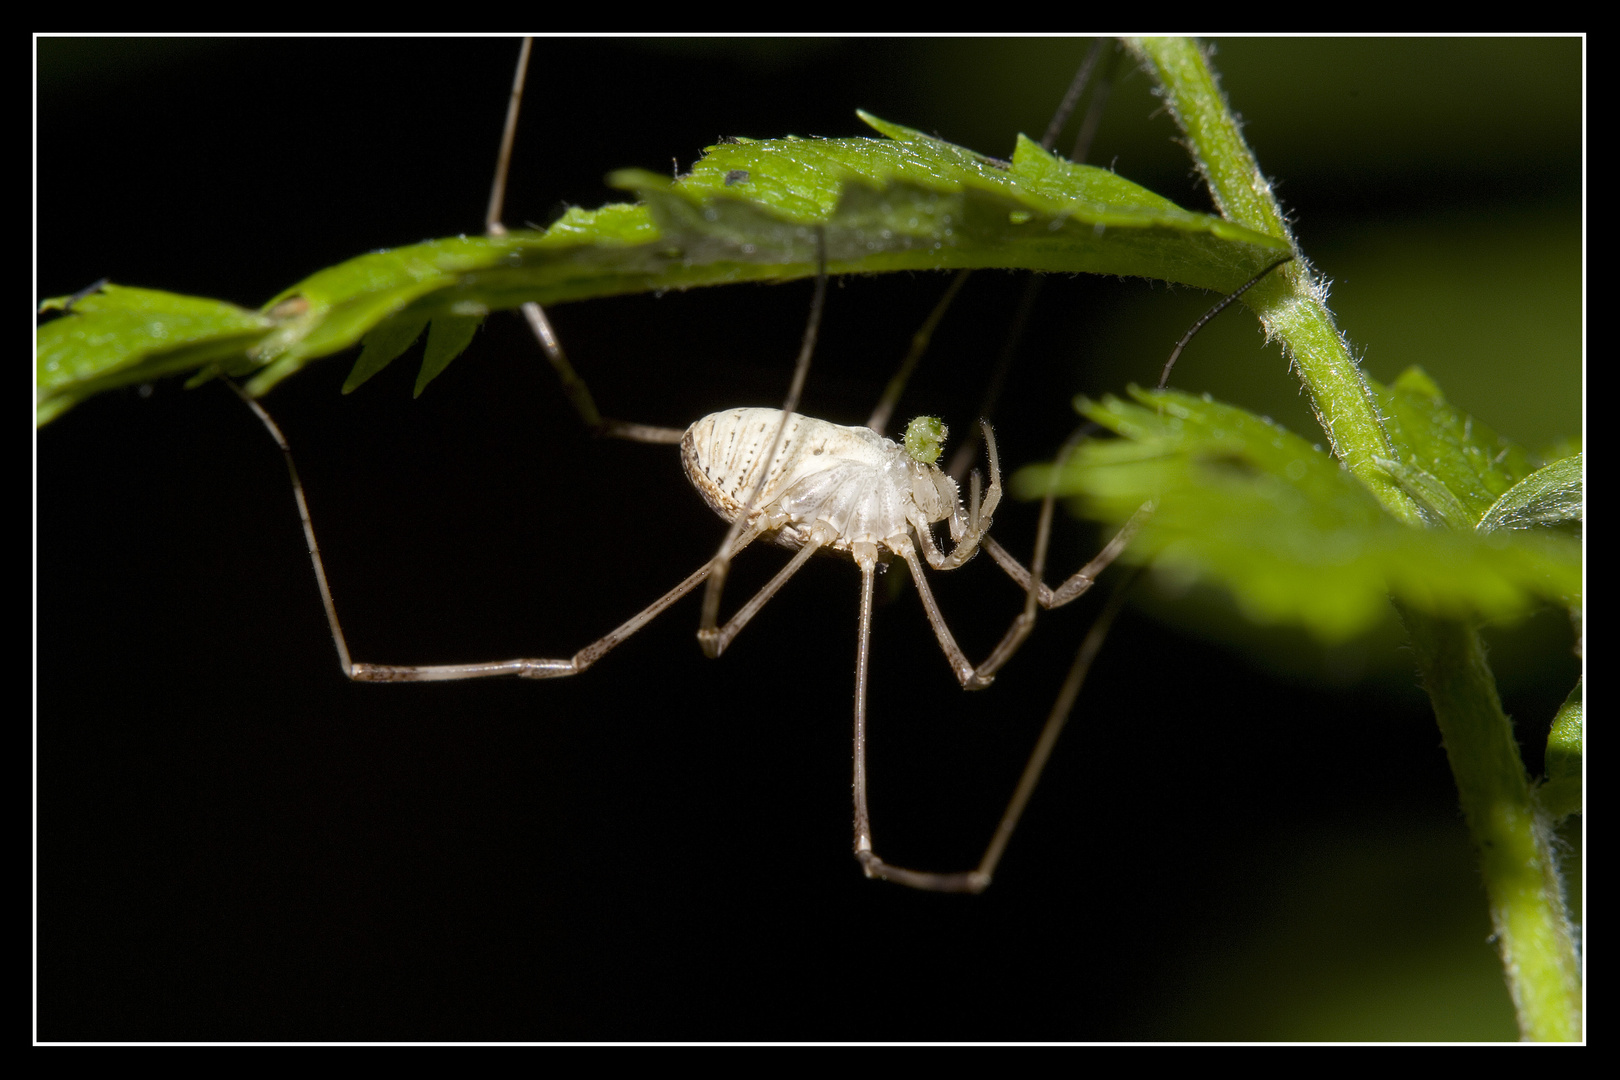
1242	836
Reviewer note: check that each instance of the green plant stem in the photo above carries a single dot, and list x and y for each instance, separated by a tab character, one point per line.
1291	304
1513	839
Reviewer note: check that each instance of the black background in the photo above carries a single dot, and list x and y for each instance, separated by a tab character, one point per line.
1233	841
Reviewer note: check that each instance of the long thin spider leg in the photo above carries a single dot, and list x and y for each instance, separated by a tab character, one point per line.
884	409
965	672
1055	722
1070	590
1071	97
720	565
532	668
979	516
594	651
1035	589
965	453
963	458
1082	579
977	880
871	864
1075	586
578	394
309	528
503	160
1024	623
1094	112
920	340
714	642
1036	593
975	506
863	649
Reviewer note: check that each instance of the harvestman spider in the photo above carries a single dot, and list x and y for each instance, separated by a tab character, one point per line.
808	485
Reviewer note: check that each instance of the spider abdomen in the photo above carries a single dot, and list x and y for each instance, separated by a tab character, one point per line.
864	487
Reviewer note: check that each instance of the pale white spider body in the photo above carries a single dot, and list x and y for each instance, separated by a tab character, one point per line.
849	485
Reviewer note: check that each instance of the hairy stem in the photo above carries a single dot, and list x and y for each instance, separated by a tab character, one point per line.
1513	839
1512	836
1291	304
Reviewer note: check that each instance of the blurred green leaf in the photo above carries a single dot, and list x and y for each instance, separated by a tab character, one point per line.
448	338
1245	504
1561	794
381	347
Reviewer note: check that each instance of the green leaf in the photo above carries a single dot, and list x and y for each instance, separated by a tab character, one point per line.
1560	795
1464	475
118	336
748	211
381	347
1450	462
1552	495
1243	503
448	338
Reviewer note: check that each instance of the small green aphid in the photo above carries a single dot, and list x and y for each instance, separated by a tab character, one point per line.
925	438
